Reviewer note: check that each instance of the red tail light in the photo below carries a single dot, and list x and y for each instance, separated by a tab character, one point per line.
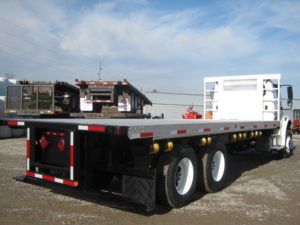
61	144
44	142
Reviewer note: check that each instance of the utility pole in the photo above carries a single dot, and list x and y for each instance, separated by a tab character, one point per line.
100	69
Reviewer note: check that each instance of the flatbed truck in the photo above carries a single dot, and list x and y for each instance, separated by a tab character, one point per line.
162	161
91	99
41	99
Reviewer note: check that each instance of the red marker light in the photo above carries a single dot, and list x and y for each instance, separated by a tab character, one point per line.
61	144
44	142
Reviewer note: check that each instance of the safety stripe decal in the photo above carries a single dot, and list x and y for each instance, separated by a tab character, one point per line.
91	128
53	179
71	155
181	131
178	132
206	129
146	134
15	123
226	128
28	149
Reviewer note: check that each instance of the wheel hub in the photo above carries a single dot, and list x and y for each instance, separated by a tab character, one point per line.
184	176
289	145
218	166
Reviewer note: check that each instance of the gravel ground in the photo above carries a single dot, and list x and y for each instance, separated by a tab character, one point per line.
262	190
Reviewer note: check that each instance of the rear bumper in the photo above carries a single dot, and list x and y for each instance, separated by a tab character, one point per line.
53	179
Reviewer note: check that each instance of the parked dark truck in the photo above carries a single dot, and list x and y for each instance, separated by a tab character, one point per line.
42	99
163	161
93	99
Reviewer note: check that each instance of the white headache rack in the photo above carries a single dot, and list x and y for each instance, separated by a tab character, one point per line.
246	97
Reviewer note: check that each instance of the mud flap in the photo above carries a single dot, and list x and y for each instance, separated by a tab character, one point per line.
139	190
20	178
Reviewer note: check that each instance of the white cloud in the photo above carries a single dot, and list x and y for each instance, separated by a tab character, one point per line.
148	46
154	36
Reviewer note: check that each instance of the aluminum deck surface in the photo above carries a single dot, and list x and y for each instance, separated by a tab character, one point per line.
161	128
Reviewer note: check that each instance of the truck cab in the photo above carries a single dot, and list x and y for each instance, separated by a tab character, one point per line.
251	97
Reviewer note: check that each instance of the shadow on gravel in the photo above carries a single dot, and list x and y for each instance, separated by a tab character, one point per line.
111	198
246	161
242	162
238	164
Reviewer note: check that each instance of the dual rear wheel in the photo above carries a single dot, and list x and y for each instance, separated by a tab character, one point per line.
180	173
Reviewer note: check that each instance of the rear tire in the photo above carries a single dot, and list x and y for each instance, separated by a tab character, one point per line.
213	165
262	144
103	179
177	176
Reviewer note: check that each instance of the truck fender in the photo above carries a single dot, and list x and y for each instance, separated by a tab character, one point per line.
285	125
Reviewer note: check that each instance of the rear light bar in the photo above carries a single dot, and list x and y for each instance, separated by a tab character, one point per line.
55	133
53	179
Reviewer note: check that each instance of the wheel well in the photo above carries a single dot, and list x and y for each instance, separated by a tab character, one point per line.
177	144
289	126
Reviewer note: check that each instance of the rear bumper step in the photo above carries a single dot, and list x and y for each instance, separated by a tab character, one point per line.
53	179
44	166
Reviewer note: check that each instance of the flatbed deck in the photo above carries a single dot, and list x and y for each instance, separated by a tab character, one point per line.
151	128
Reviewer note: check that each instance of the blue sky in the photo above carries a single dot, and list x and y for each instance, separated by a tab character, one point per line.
166	45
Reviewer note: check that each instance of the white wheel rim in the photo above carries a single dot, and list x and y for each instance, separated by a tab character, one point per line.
288	144
184	176
218	166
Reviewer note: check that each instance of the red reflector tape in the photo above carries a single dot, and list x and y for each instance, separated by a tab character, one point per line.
254	126
45	177
242	127
266	125
181	131
71	155
96	128
206	129
52	179
226	128
30	174
91	128
28	149
15	123
274	125
147	134
70	183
